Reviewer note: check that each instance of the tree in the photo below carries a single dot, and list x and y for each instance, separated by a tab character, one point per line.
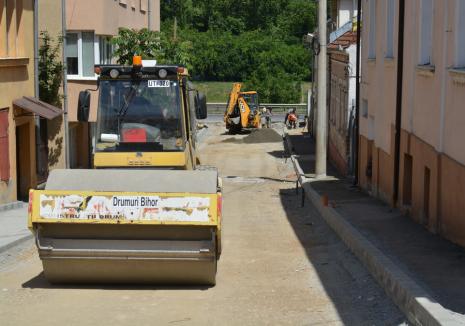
258	42
130	42
151	45
50	69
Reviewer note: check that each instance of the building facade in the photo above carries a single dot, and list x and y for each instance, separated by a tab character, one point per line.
416	92
90	25
51	153
17	126
342	60
32	133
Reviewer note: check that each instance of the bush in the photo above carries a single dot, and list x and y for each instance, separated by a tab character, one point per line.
50	69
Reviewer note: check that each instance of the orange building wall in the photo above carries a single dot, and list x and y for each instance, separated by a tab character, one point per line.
452	206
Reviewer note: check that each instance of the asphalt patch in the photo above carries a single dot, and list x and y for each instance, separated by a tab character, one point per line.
258	136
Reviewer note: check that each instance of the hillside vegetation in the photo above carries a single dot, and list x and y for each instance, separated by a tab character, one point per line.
256	42
218	92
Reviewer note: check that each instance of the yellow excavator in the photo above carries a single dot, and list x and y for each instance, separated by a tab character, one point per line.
242	110
148	212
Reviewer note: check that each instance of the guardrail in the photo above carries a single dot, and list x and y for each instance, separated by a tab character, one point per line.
219	108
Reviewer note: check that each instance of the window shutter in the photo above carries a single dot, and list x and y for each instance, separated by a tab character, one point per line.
4	150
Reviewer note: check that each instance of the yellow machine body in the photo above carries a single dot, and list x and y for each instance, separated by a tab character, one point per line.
242	110
146	213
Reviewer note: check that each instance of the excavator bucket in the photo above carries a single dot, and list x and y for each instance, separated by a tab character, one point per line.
128	226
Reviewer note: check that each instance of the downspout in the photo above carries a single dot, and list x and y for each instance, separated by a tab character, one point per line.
36	49
442	118
65	83
357	95
38	140
313	118
400	70
149	15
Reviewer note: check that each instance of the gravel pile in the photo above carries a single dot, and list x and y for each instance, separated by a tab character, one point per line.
263	136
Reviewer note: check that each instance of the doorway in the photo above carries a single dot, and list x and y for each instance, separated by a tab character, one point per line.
407	182
23	161
426	195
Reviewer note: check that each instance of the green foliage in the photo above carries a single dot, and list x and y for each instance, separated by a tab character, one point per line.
50	69
257	42
279	87
130	42
215	91
151	45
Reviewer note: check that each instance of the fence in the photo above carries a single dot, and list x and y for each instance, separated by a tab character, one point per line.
219	108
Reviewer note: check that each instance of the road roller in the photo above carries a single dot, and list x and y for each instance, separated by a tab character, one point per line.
147	212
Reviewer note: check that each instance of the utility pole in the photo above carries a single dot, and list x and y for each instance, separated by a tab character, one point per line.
322	124
65	84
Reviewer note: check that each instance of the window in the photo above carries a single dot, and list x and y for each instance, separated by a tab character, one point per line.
80	54
364	108
426	32
88	55
390	29
143	5
4	149
372	30
460	31
72	54
11	12
105	50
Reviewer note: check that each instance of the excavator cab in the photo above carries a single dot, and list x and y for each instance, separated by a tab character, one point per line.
243	110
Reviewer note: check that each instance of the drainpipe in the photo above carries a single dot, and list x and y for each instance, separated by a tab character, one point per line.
149	15
65	83
36	48
357	94
36	84
322	117
400	70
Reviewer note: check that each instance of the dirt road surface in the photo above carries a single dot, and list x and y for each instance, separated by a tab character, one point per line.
281	265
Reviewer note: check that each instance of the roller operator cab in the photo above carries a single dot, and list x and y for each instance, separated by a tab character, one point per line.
146	117
148	213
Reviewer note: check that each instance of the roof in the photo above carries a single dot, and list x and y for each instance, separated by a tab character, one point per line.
177	181
343	37
38	107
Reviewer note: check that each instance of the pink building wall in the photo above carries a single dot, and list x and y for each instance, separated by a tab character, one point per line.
433	118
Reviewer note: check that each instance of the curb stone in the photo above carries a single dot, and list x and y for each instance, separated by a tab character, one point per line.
15	243
419	306
12	205
8	207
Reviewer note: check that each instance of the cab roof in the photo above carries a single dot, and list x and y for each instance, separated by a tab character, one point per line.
126	72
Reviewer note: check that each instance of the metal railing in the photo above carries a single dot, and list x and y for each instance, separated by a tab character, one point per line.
219	108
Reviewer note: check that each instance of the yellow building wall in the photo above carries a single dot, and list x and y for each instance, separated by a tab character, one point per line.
17	80
50	20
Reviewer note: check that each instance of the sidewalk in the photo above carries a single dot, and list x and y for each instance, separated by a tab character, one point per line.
423	273
13	225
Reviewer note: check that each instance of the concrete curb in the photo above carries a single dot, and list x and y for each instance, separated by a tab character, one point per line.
15	243
418	305
12	205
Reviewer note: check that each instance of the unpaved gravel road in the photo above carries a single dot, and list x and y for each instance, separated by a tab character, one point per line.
280	264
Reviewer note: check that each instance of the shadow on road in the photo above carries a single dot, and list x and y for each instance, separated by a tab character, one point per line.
356	296
242	132
420	254
279	154
40	282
